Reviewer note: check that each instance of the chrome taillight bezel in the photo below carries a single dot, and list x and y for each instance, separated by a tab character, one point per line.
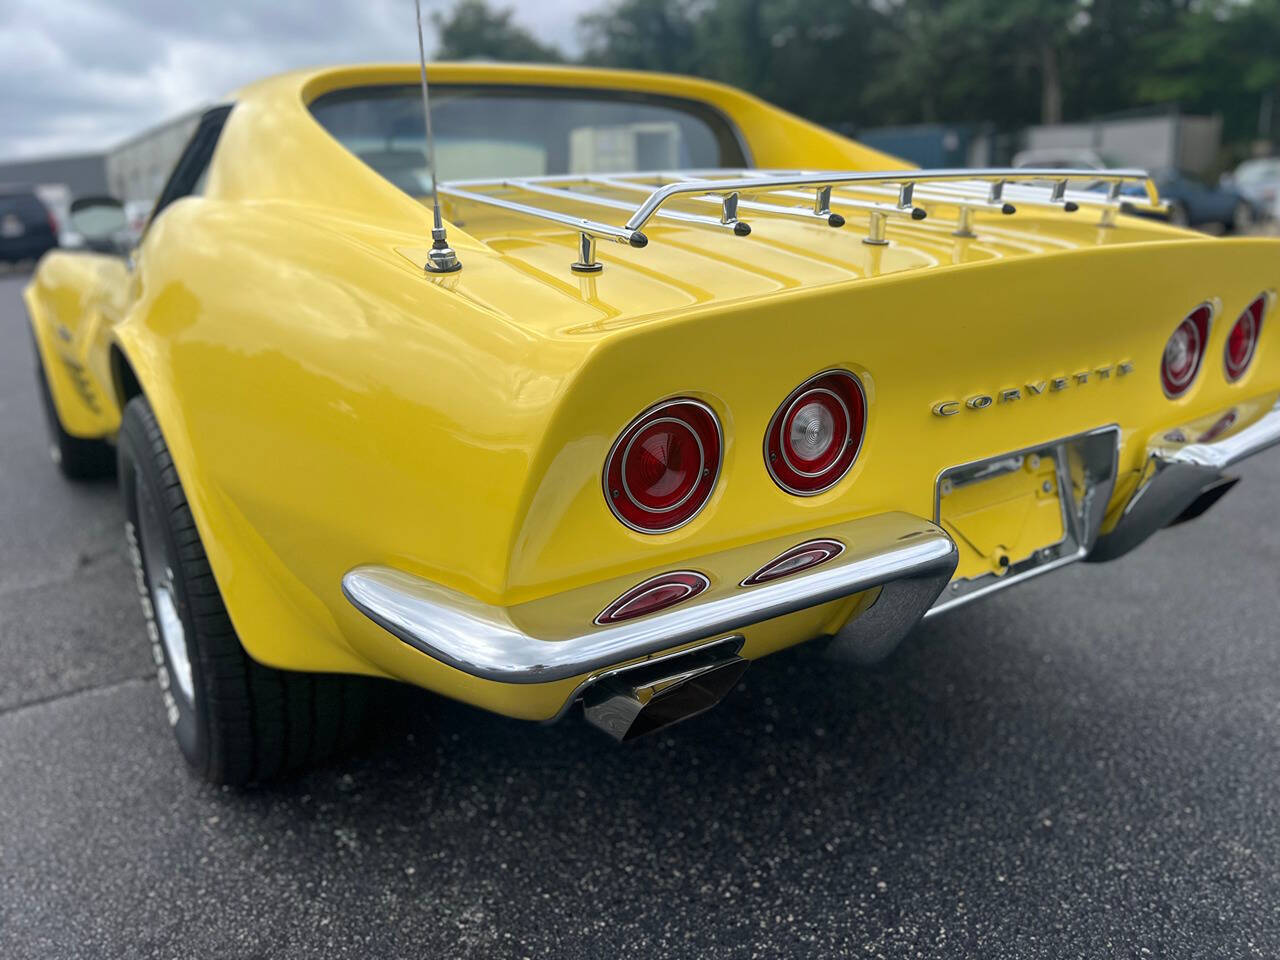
1211	309
823	548
693	581
665	409
1264	301
844	463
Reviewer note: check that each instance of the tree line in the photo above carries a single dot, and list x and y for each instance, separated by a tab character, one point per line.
865	63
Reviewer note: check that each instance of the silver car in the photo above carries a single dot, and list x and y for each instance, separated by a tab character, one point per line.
1259	180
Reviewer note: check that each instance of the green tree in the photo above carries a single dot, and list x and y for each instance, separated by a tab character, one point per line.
473	30
1007	63
1223	56
644	34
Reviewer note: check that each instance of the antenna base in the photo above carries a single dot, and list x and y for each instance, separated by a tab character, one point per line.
442	259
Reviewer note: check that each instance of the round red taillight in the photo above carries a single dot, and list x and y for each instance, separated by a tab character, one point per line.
662	469
816	434
1185	351
1242	341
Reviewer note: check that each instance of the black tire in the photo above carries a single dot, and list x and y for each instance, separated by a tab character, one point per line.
236	721
1178	215
76	458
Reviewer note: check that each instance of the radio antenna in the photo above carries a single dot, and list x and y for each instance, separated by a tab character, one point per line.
441	259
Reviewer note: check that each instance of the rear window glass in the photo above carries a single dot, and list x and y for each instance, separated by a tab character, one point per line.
486	132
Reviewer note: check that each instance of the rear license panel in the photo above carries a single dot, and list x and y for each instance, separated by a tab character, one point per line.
1026	512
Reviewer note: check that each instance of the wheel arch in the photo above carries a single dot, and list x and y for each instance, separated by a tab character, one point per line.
124	379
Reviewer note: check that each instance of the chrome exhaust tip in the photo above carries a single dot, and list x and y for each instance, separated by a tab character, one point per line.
632	701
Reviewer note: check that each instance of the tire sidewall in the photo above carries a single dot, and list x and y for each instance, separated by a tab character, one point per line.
53	429
189	720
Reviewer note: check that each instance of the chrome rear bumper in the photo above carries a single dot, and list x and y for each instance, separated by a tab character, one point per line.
1182	475
555	638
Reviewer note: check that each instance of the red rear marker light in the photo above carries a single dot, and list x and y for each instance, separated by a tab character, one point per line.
662	469
657	593
816	434
1242	341
1220	426
799	558
1184	352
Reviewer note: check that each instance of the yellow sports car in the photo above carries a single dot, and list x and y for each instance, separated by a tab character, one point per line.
678	380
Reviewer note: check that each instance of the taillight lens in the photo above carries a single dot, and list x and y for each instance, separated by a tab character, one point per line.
1220	426
1242	341
653	595
1184	352
806	555
662	469
816	434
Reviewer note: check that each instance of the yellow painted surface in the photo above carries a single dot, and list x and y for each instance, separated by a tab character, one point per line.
1009	516
328	405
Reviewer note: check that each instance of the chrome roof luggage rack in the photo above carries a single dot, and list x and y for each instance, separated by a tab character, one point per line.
881	195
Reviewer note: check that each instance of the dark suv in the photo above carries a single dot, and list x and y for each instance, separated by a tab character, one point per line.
27	229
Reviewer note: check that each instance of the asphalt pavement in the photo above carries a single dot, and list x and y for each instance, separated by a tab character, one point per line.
1084	766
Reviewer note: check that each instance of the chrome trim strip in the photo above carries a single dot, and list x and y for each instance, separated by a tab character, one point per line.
559	642
1260	435
1178	474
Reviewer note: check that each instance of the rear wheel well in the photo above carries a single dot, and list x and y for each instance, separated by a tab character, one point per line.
123	379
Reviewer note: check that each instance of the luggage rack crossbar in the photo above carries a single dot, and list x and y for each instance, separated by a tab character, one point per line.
880	195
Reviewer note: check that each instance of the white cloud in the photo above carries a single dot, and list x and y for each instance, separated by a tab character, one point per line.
80	75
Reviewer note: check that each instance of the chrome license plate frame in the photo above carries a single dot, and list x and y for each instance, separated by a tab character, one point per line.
1086	474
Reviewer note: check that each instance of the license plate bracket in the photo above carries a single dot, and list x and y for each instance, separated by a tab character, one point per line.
1019	514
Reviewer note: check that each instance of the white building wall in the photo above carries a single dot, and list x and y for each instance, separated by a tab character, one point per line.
138	168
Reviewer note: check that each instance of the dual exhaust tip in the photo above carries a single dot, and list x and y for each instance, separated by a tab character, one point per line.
653	695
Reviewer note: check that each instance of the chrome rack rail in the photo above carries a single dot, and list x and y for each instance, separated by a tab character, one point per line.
968	190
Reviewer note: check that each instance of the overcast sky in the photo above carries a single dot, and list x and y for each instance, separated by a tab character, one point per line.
79	75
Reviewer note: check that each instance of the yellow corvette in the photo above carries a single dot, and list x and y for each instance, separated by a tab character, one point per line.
679	380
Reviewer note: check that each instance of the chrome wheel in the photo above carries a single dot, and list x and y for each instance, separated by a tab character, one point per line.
158	566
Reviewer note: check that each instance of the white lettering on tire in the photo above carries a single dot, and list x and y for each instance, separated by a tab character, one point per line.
153	632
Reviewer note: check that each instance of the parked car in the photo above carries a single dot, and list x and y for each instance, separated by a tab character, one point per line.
1192	202
1259	180
1057	158
1195	203
27	230
673	379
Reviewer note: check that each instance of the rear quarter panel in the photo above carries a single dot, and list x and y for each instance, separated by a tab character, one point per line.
327	405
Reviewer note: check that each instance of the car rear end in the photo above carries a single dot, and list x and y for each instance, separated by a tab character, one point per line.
845	458
27	228
790	403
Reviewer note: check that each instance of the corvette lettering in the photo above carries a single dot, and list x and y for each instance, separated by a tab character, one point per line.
1036	388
